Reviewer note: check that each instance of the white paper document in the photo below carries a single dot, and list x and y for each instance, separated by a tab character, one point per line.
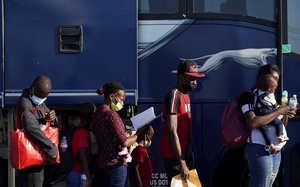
143	118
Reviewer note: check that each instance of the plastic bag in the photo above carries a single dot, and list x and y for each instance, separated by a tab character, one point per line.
193	180
24	152
180	183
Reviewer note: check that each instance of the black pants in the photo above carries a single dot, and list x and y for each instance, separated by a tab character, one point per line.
172	167
31	177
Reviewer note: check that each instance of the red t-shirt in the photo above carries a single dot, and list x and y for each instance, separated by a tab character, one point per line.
176	103
141	157
109	131
81	139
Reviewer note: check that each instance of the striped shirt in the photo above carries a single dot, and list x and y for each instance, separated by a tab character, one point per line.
176	103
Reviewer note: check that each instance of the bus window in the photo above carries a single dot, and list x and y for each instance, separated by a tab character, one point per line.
254	8
293	27
158	6
237	7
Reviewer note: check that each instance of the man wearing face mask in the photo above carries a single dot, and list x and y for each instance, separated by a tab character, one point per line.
109	131
177	121
35	114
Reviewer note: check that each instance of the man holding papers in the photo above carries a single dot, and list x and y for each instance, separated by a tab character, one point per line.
177	121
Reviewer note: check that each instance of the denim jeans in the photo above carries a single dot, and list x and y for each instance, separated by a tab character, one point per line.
112	176
74	178
262	164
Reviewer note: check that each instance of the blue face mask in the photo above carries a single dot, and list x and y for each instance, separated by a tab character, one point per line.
38	101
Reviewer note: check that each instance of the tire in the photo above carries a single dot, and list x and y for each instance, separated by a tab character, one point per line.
232	170
245	179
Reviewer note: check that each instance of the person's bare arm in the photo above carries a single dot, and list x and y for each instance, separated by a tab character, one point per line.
175	144
83	152
135	178
130	141
254	121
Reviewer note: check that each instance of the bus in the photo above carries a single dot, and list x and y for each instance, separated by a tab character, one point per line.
230	40
81	45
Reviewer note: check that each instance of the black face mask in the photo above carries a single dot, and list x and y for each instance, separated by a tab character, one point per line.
189	87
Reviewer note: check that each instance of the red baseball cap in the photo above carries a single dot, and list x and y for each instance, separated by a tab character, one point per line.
189	67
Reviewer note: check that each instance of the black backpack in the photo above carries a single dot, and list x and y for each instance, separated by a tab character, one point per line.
66	157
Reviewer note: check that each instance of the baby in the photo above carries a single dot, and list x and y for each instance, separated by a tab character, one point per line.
265	103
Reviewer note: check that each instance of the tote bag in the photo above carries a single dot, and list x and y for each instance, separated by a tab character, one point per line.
24	152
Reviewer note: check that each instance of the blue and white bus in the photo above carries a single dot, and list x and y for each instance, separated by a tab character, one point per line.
230	39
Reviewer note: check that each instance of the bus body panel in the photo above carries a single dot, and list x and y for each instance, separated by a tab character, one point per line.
32	46
213	92
200	39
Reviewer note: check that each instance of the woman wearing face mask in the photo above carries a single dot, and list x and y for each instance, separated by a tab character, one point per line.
110	135
140	168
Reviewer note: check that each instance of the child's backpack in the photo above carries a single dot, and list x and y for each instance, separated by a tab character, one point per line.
234	129
66	157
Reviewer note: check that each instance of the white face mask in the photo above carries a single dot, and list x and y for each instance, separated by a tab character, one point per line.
38	101
147	143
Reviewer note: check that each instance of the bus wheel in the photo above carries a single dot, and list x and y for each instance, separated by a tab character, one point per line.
245	178
232	170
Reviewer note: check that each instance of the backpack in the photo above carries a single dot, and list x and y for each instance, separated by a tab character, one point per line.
234	129
66	158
